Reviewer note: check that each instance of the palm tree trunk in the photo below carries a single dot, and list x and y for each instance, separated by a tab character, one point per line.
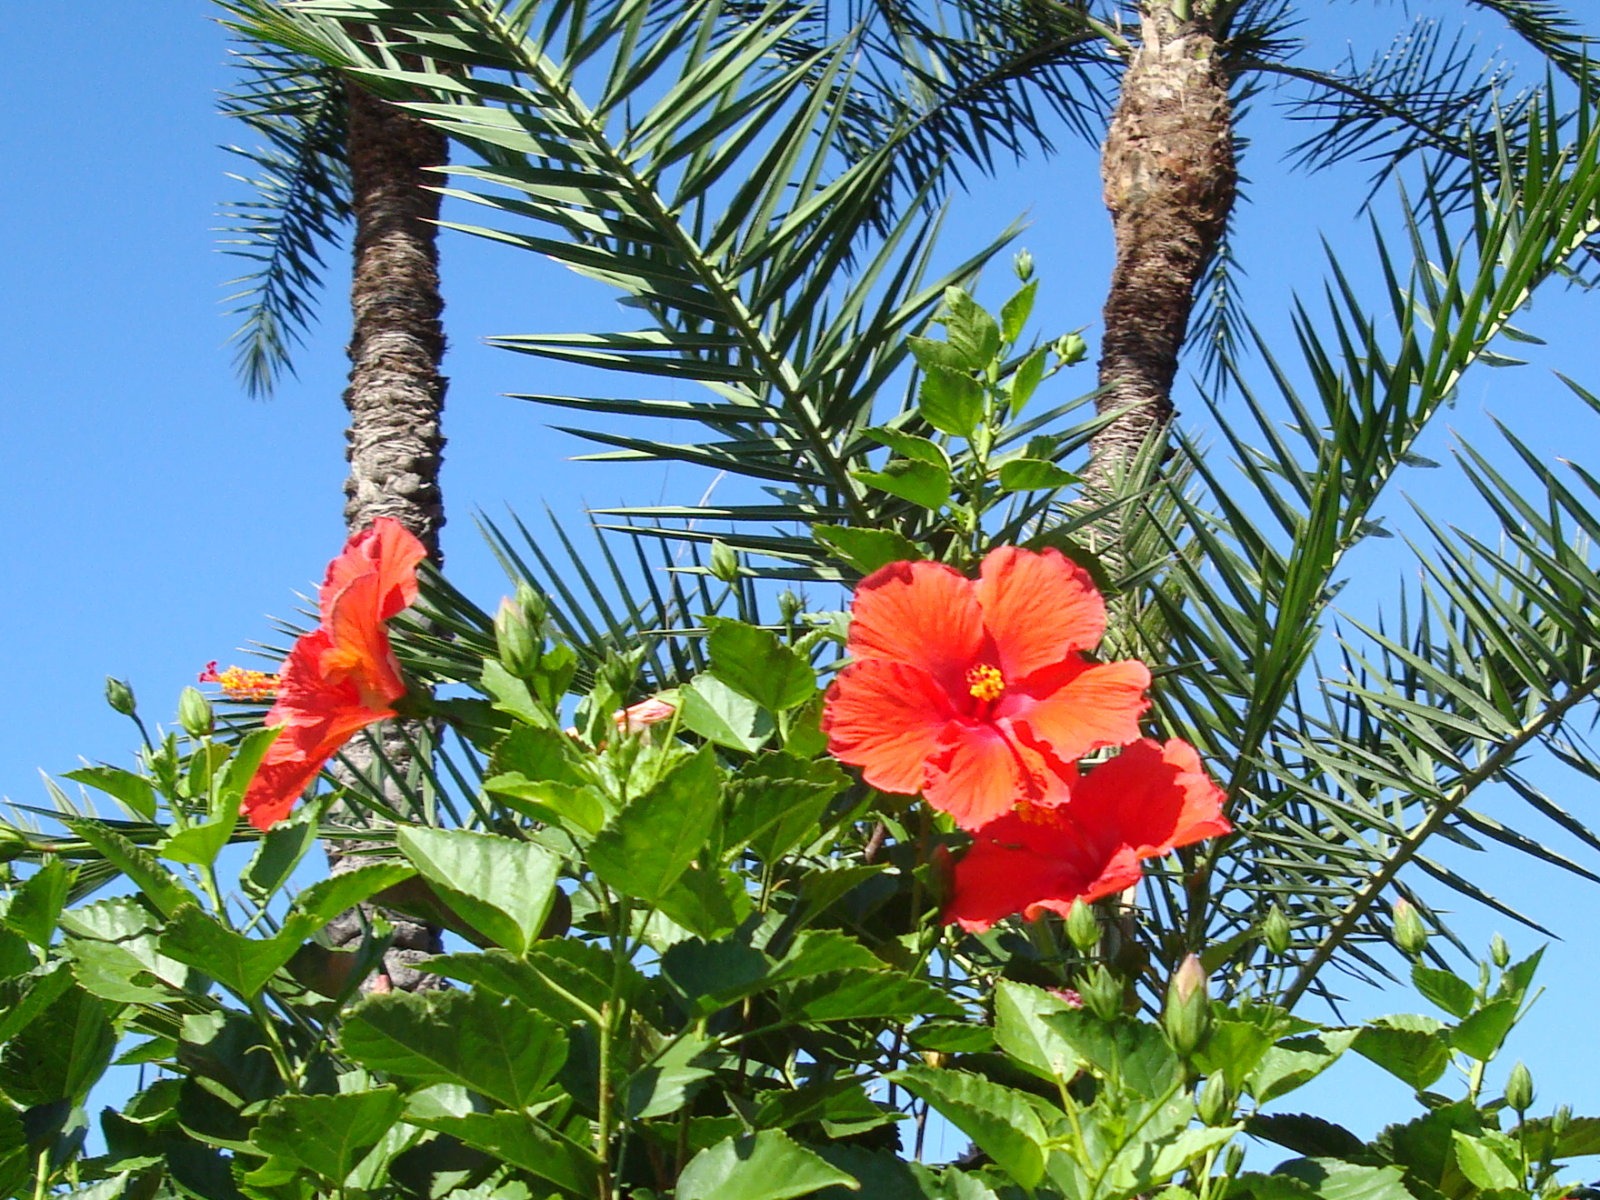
395	399
1169	176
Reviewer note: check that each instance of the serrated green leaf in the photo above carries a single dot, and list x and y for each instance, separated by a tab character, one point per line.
133	790
244	964
524	1142
867	549
721	715
1014	313
1025	381
951	401
923	484
1034	475
501	886
1416	1055
776	801
61	1053
36	905
999	1120
1449	991
769	1165
971	330
1482	1166
327	1135
645	848
754	663
1480	1035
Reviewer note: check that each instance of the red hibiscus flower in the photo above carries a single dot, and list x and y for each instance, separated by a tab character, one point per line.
975	692
342	676
1143	803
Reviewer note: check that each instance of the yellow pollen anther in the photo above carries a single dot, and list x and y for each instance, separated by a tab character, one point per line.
238	683
985	682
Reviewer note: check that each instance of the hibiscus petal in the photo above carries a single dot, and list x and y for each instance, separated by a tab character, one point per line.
1151	798
295	758
979	774
385	549
360	650
1120	872
886	718
1077	706
1038	607
922	614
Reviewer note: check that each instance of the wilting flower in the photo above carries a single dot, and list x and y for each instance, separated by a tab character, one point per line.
976	692
240	683
342	676
1144	802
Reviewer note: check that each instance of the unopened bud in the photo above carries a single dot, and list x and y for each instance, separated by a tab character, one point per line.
1071	349
1022	264
1215	1105
1232	1160
1101	992
1083	930
1187	1017
1519	1089
724	562
1410	934
120	697
1275	931
790	606
513	640
194	713
1499	951
1561	1119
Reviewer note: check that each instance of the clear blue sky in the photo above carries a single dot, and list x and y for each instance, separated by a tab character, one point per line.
155	517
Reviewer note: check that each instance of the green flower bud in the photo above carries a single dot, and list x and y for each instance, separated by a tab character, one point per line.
1499	951
1275	931
514	641
724	562
1232	1160
1022	264
1561	1120
790	606
1215	1105
1101	992
1410	934
13	843
194	713
1071	349
120	697
1083	930
1519	1089
1187	1016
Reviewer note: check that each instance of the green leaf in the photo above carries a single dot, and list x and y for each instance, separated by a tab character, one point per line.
578	808
1444	988
159	885
971	330
200	844
645	848
999	1120
243	964
1407	1048
276	857
1332	1179
1482	1166
493	1045
1132	1051
1298	1060
24	997
324	900
867	549
769	1165
776	802
61	1053
500	886
1021	1031
860	995
1480	1035
522	1141
909	445
921	483
37	904
931	354
951	401
754	663
1025	380
670	1080
721	715
327	1135
1014	313
133	790
1034	475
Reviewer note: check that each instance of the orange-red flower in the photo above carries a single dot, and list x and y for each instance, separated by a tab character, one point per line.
342	676
1143	803
976	692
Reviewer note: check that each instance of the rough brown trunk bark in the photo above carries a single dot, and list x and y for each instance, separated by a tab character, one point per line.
1169	175
395	399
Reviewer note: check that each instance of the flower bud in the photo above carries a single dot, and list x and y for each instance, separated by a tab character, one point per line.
1499	951
1519	1089
514	641
1187	1016
1232	1160
1410	934
1101	992
724	562
1071	349
1275	931
120	696
194	713
1083	930
1022	264
790	606
1561	1120
1215	1105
